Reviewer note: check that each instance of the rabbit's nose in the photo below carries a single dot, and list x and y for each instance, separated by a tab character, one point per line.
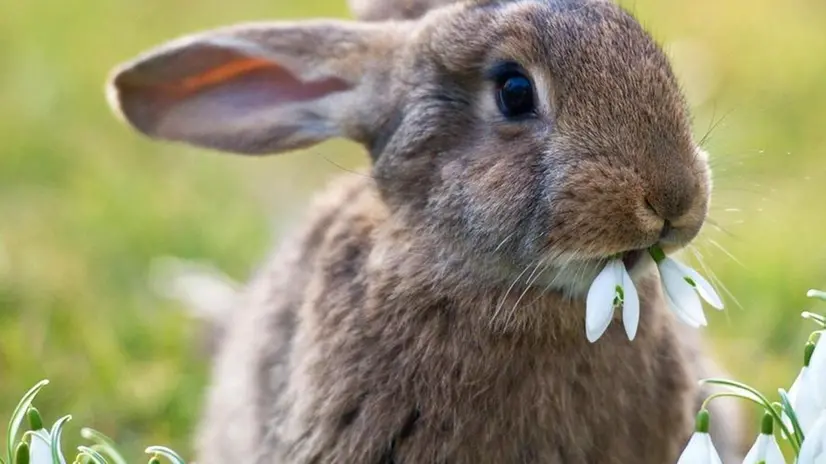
672	200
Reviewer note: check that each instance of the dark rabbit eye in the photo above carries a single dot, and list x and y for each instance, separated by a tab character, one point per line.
514	91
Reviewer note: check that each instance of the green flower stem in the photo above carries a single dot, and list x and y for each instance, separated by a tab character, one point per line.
757	398
657	253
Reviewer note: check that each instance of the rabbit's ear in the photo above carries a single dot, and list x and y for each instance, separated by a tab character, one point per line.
261	88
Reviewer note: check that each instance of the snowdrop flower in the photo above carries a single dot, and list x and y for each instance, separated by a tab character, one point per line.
612	287
765	449
40	445
802	395
700	449
813	450
817	369
681	286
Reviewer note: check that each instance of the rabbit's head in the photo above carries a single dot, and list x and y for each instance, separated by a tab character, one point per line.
511	133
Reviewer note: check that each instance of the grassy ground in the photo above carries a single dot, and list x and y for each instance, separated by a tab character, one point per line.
86	205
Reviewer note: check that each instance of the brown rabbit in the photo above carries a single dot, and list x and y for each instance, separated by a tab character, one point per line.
432	310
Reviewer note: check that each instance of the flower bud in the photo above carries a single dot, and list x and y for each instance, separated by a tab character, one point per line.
21	455
702	421
35	421
767	424
807	353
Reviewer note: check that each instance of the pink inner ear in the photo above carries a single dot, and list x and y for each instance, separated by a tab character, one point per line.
225	92
280	85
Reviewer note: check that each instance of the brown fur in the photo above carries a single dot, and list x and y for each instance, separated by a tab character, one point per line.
432	311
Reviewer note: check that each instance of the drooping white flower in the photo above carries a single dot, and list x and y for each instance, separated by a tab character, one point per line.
817	372
40	447
700	449
765	449
802	395
681	287
813	450
612	286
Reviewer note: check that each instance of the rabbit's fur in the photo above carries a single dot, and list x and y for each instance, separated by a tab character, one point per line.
432	309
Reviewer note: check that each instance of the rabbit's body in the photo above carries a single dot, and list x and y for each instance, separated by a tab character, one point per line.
372	358
433	310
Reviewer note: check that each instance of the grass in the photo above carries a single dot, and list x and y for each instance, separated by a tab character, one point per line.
86	205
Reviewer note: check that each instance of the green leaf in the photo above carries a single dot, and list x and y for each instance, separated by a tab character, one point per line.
789	410
167	453
103	443
57	431
93	455
19	415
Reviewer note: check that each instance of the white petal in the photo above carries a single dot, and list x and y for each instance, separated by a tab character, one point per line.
699	450
813	451
705	289
599	304
804	403
630	305
765	449
681	295
817	372
678	312
40	451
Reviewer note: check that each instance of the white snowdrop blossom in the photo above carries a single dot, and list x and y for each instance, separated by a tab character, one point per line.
700	449
813	450
612	287
817	372
681	287
765	449
40	447
802	396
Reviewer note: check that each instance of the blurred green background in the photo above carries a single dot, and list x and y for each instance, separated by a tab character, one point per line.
86	205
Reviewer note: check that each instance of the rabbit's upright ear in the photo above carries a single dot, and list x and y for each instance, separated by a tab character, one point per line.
261	88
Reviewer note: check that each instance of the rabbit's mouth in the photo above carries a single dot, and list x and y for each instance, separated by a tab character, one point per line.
632	258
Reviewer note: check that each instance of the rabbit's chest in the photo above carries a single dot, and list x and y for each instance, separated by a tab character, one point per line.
557	410
455	404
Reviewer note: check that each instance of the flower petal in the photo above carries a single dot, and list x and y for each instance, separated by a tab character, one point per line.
813	449
630	305
765	450
681	295
40	451
804	403
817	372
599	304
705	289
699	450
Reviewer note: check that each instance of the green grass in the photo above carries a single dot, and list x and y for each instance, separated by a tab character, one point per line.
86	205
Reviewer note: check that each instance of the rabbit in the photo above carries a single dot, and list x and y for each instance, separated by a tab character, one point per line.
431	309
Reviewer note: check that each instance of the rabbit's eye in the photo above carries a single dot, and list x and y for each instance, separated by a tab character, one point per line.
514	95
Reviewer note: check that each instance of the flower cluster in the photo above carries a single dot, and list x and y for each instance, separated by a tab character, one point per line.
800	414
613	288
40	445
